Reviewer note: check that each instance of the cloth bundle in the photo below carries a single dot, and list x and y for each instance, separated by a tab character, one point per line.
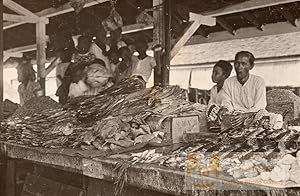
97	75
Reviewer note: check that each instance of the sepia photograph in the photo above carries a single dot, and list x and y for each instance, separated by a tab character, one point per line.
150	98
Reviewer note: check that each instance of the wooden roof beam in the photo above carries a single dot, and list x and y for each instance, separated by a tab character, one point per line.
18	8
197	20
246	6
225	25
50	12
288	16
26	19
125	30
244	33
251	18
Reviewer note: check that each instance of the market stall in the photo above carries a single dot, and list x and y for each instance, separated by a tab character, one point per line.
135	141
126	140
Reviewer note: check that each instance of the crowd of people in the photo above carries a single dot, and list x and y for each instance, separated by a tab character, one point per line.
95	65
92	65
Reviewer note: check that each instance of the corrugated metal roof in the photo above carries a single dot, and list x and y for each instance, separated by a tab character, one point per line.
262	47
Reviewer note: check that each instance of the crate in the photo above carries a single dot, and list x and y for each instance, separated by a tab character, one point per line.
289	110
175	133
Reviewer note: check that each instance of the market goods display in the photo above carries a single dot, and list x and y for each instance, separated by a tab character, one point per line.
112	120
281	95
35	105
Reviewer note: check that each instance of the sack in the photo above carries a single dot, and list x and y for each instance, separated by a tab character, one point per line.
113	21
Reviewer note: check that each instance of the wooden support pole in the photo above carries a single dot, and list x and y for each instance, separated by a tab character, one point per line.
167	55
41	54
1	61
158	39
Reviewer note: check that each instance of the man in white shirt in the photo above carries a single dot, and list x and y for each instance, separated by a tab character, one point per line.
244	93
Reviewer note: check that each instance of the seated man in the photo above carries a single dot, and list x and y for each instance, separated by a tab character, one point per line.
244	93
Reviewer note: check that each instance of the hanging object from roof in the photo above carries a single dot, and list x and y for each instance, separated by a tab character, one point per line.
144	18
77	5
114	20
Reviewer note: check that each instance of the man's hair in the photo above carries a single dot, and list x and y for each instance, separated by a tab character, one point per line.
246	54
225	66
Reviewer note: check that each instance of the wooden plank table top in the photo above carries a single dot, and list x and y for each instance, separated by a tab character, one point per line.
145	176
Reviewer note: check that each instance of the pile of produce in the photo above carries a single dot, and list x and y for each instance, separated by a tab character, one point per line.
281	95
112	120
240	153
35	105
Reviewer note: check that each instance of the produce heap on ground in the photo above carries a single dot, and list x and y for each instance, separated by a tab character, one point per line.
122	118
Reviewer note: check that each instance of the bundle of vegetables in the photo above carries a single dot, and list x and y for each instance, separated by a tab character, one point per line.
111	121
34	105
50	128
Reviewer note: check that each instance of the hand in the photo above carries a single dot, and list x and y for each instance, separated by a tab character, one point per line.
239	119
222	112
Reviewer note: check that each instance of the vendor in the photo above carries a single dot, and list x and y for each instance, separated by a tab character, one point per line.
83	55
244	93
143	64
26	76
221	72
124	68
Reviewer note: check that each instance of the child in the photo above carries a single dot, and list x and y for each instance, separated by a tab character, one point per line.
26	76
221	72
83	54
143	64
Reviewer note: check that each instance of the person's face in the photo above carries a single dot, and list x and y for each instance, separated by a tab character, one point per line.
141	47
218	75
242	67
84	46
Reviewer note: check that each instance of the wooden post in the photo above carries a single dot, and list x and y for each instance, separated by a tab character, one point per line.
1	61
41	54
158	39
167	55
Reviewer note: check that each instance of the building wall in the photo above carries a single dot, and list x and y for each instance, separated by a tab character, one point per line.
276	72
